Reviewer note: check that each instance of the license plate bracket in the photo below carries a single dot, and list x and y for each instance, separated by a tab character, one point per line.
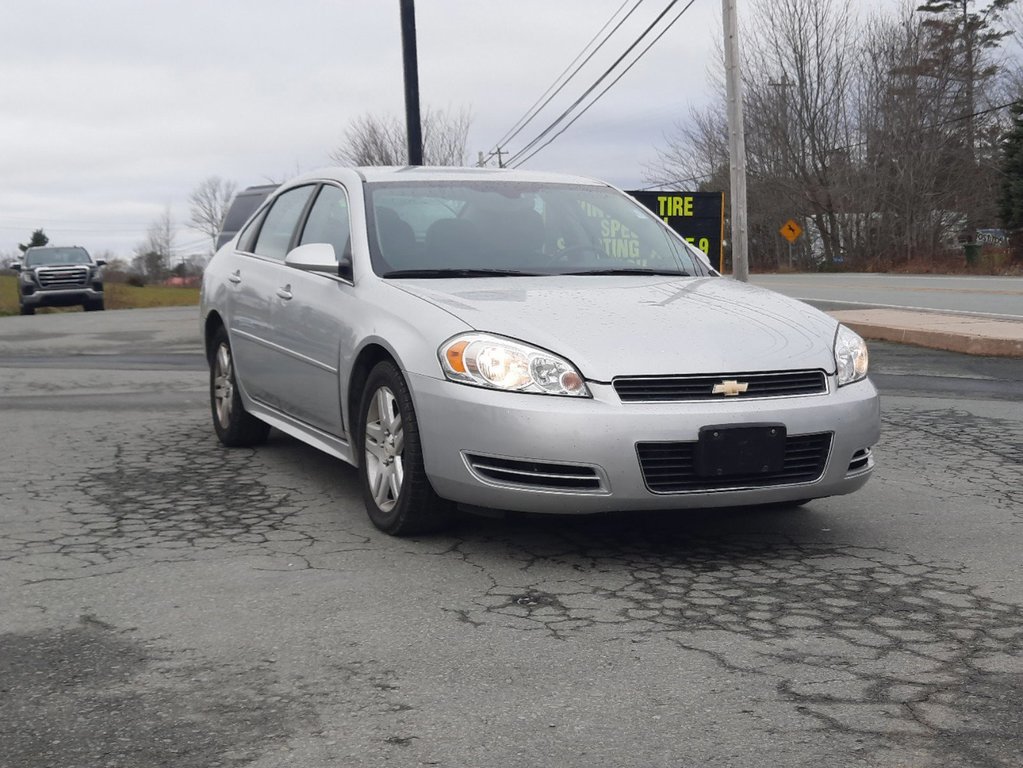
750	449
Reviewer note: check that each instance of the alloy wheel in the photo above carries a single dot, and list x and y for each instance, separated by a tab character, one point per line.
385	445
223	386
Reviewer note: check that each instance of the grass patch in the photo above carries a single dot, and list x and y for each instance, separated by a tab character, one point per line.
117	296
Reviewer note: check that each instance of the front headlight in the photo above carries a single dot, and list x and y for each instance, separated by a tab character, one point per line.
26	276
498	363
850	356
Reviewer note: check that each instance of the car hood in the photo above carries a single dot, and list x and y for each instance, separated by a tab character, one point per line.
636	325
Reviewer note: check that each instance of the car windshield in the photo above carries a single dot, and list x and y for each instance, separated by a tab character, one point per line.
43	257
501	228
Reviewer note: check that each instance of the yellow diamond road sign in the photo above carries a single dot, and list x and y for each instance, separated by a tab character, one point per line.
791	230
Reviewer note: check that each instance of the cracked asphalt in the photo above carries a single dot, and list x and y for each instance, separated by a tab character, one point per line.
169	602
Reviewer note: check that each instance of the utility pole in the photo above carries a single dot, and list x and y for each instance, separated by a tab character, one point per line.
413	122
736	143
482	161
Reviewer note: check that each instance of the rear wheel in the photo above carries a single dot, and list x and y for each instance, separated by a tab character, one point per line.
398	495
234	425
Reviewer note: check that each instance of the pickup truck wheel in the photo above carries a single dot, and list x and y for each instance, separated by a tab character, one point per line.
93	306
27	310
397	493
235	426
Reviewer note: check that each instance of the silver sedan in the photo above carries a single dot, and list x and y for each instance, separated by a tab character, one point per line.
523	341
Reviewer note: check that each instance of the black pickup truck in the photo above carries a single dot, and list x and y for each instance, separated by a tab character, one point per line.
55	276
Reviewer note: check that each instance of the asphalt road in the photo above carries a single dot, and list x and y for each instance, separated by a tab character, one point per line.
986	295
168	602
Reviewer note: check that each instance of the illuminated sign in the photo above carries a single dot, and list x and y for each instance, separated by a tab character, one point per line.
699	217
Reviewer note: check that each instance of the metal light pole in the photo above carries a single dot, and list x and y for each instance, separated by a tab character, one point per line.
736	143
413	123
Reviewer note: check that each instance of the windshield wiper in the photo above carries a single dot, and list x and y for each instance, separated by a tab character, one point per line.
630	271
440	273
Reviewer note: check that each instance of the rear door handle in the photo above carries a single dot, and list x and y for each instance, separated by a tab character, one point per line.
285	292
236	276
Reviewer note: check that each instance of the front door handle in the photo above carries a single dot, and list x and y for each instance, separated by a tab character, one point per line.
285	292
235	277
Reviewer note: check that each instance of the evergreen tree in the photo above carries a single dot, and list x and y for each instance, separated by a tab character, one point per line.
1010	201
963	36
38	238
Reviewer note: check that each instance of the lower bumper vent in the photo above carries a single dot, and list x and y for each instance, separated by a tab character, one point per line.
860	460
536	474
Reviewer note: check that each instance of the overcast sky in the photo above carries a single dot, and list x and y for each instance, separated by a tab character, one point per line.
112	110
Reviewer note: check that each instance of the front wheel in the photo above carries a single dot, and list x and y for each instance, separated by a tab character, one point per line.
26	309
235	426
93	305
398	495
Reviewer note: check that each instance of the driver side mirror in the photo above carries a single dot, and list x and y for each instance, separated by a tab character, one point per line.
319	257
16	266
101	262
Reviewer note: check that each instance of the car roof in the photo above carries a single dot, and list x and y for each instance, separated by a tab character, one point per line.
55	248
425	173
258	189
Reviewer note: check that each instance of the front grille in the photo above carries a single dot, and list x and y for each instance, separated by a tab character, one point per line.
688	388
535	474
62	277
670	467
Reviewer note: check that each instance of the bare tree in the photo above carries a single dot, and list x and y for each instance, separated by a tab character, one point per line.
153	255
798	77
858	131
381	139
697	154
208	206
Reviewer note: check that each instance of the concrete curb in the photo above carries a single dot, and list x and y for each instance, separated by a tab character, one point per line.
967	334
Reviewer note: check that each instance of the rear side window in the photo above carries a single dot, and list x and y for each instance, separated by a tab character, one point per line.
328	221
280	222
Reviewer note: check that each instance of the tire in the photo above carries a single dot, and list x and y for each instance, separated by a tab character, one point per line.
235	427
26	309
94	306
397	493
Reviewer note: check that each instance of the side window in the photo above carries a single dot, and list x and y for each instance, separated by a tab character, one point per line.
247	239
328	221
280	222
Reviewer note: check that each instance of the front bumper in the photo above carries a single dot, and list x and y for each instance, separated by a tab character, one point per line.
597	438
64	297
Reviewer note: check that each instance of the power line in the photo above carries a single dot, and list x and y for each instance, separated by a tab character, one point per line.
35	225
514	161
534	110
590	90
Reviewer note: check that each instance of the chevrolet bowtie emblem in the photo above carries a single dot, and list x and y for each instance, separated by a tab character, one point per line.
730	388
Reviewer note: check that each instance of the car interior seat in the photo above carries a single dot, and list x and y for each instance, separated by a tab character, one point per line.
454	243
396	238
